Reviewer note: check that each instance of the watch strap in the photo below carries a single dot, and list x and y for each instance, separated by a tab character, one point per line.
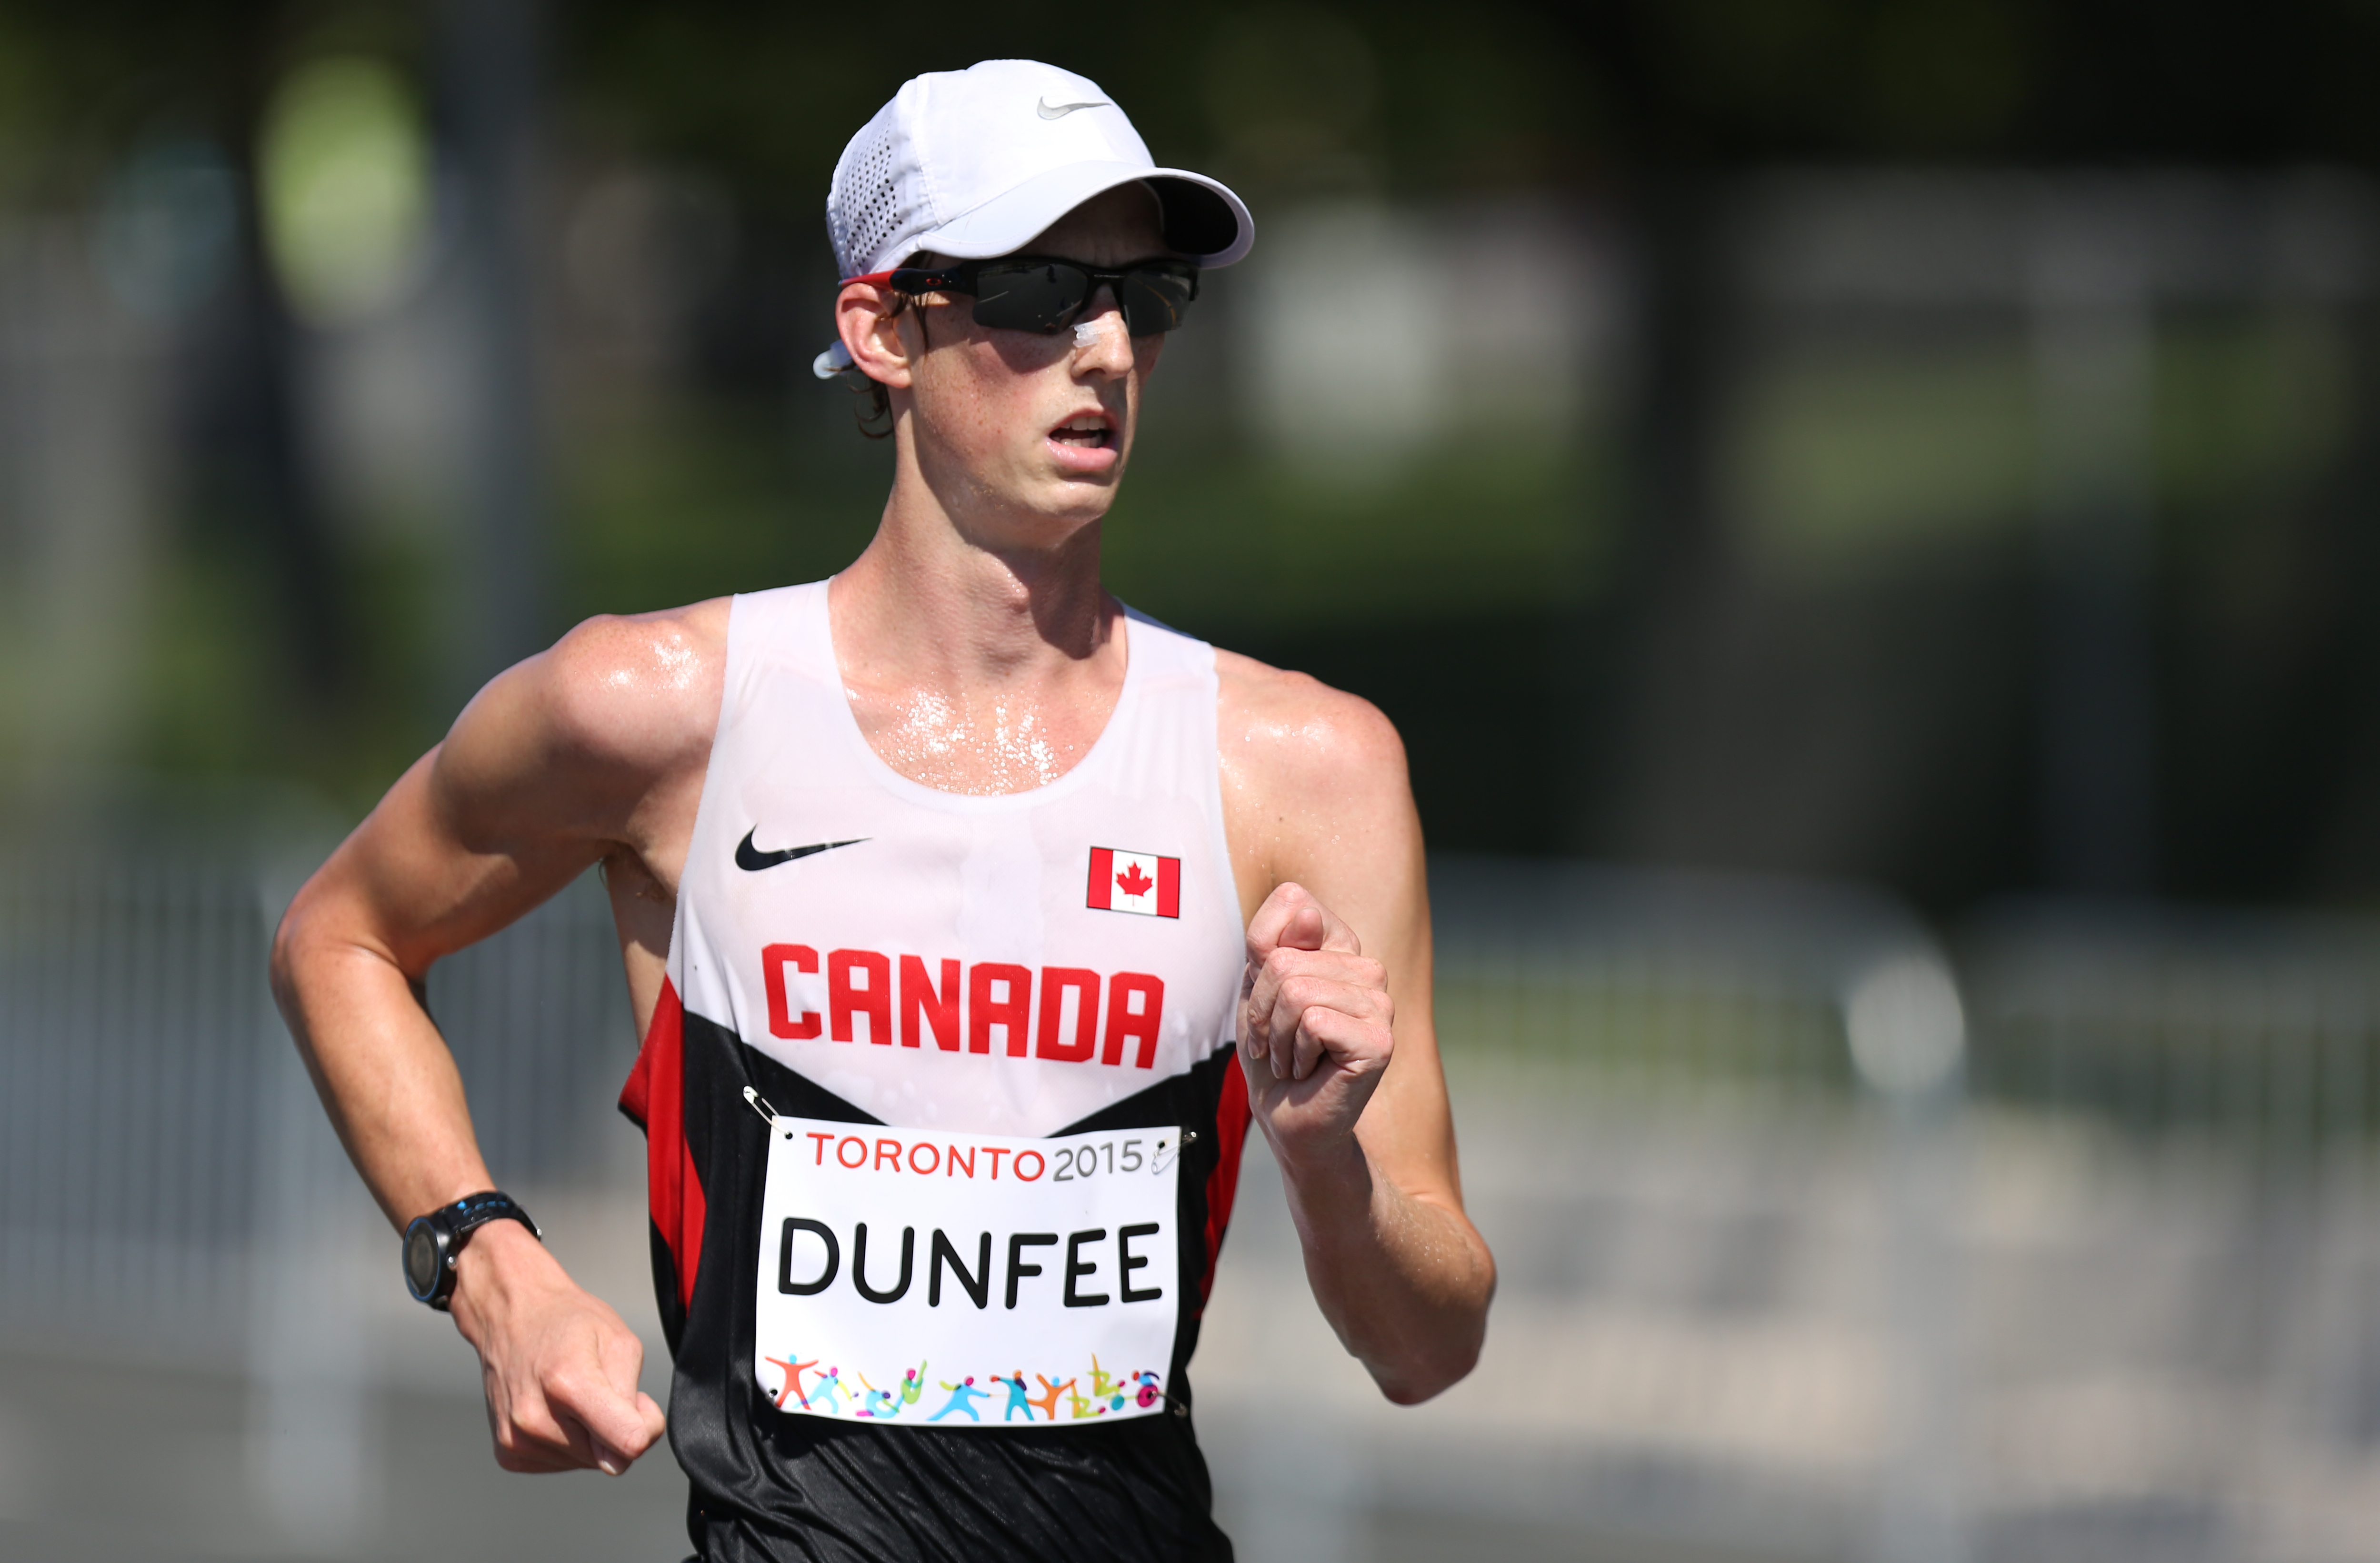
478	1210
437	1238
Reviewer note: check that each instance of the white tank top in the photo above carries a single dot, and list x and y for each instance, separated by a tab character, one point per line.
1009	964
1058	966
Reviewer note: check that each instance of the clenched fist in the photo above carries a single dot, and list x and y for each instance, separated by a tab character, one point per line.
1314	1025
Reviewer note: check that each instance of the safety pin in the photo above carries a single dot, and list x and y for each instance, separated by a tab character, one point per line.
1163	1161
760	1105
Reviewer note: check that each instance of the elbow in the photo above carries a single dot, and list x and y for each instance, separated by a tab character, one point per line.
1428	1380
281	965
292	957
1428	1374
1445	1357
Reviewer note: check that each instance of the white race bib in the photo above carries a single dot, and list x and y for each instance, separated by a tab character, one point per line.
966	1280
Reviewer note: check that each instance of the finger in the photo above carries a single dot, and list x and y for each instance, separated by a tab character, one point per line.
1285	965
612	1426
1325	928
623	1358
1295	980
1265	927
1352	1043
1307	923
1306	928
1268	1017
1296	1043
527	1460
1286	1019
1293	918
527	1438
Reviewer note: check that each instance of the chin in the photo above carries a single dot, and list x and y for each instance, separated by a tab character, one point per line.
1073	505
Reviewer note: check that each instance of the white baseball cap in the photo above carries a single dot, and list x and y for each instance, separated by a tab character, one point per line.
972	164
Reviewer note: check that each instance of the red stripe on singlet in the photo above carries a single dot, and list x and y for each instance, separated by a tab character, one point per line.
1223	1182
655	1097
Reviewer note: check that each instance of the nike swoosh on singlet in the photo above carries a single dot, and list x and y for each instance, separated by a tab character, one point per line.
752	860
1049	110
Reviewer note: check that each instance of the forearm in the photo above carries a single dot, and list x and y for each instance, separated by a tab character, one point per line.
1404	1281
383	1072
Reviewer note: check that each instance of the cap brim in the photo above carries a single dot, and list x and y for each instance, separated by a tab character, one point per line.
1196	209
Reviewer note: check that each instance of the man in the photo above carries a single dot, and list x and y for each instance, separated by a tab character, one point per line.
944	889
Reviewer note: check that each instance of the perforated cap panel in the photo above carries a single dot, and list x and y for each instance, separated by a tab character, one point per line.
863	210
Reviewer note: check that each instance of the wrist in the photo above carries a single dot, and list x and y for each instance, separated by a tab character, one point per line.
436	1240
503	1259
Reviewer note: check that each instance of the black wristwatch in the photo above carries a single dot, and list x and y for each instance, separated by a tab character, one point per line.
433	1241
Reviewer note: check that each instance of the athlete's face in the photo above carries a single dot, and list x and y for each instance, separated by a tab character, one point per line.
1021	432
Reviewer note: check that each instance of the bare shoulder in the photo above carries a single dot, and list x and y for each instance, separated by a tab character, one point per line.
586	730
638	687
1292	730
1314	787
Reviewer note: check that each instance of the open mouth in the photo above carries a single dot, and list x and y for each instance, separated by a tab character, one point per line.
1084	432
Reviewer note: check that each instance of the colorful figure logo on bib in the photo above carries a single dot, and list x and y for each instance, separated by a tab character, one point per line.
827	1394
962	1397
793	1377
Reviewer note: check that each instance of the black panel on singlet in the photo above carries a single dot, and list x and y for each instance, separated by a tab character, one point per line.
768	1486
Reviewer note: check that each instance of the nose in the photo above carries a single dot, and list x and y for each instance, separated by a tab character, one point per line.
1102	342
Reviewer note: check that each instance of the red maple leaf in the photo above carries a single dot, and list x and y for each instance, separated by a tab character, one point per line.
1133	881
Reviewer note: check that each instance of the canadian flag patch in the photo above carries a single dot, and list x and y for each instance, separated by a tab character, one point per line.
1141	882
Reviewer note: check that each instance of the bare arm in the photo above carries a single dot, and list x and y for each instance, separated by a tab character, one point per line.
578	755
1335	1029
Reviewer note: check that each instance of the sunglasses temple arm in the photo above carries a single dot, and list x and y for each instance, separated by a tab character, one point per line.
922	280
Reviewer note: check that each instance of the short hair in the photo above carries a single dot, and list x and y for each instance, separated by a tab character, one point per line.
876	401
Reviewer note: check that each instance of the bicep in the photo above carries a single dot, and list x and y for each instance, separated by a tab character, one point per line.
405	889
475	834
1358	850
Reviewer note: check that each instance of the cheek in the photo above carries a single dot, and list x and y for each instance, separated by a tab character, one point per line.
983	405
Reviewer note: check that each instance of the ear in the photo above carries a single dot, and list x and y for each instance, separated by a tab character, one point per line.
871	334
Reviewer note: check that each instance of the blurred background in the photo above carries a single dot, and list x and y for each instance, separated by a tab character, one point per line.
1862	511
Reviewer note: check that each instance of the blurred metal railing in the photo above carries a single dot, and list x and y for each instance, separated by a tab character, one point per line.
133	1017
150	1106
2260	1032
1664	980
1980	1276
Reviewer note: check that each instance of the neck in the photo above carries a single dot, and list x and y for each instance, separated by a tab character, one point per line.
946	601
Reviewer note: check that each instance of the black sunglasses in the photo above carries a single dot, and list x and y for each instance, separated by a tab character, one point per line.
1040	294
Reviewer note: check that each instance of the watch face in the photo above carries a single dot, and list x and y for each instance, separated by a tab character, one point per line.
421	1259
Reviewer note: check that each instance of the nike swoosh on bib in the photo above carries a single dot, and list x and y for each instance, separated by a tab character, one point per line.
1049	110
752	860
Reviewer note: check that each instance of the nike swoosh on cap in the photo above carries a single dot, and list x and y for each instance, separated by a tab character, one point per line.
752	860
1049	110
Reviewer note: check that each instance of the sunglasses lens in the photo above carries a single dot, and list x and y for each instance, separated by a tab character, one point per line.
1043	296
1155	300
